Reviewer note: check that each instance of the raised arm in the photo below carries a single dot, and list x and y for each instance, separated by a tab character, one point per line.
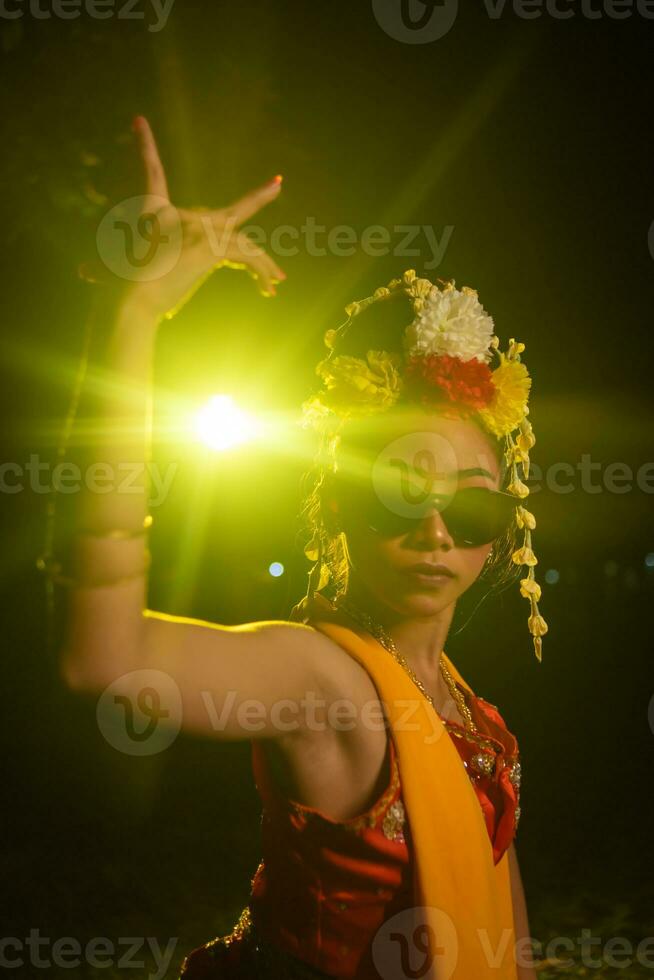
109	632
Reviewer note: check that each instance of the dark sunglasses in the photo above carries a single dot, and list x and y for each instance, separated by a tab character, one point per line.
473	515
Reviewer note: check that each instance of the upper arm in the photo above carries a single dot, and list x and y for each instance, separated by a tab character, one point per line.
245	681
255	680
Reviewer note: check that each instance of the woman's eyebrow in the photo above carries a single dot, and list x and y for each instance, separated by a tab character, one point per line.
475	471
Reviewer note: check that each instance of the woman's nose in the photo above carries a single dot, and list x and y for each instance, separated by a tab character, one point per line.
432	531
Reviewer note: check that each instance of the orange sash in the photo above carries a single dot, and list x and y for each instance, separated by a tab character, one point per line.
464	910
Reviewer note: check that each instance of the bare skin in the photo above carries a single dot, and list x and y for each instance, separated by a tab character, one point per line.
110	632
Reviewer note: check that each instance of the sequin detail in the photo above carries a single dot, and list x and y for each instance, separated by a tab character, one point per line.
393	822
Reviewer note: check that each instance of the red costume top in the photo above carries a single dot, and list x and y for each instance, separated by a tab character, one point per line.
324	888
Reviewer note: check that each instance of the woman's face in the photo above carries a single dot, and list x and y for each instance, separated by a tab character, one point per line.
432	455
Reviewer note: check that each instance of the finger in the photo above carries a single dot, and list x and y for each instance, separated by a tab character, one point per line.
259	269
248	247
242	209
264	265
275	273
155	175
257	266
221	239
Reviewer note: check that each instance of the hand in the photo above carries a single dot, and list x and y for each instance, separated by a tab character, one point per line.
185	245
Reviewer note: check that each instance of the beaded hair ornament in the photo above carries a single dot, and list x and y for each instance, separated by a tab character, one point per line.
445	365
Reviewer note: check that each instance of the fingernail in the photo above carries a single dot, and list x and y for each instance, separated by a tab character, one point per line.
276	181
137	121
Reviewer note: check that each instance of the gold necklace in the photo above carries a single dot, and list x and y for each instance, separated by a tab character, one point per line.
483	761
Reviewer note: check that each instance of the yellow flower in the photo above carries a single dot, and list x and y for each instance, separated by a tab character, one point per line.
355	386
526	440
329	338
538	648
381	291
508	405
517	454
517	487
524	518
515	348
524	556
409	276
420	288
529	587
537	625
352	309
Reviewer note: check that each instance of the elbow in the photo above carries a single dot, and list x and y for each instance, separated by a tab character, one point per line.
74	674
94	655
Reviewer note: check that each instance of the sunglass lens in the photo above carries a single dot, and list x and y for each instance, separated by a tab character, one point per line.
477	516
473	516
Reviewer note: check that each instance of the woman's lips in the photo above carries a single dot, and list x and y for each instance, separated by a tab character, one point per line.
431	575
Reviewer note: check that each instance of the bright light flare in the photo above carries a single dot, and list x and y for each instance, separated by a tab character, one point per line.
221	424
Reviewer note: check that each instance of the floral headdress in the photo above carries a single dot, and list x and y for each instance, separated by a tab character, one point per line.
445	365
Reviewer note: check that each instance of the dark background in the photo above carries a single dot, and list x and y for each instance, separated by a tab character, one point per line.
530	138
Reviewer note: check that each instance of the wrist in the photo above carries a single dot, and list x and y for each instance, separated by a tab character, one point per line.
129	308
133	310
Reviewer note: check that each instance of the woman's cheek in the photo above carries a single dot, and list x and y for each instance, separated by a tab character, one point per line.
372	557
475	561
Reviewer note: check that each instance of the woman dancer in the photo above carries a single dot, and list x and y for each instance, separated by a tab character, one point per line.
390	790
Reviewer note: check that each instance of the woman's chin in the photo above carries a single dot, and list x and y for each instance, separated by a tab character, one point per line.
423	601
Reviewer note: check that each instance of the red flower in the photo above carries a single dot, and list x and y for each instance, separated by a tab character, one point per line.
440	380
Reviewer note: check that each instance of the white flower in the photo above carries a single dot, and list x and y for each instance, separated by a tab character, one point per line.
453	322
